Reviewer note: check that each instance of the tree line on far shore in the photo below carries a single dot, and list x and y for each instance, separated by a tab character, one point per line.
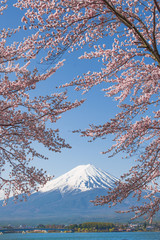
113	227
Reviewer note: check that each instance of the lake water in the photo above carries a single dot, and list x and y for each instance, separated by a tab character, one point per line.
83	236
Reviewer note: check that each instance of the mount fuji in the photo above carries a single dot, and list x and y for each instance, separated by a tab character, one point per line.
66	199
80	179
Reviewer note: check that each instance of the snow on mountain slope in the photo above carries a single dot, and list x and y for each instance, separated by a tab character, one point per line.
81	178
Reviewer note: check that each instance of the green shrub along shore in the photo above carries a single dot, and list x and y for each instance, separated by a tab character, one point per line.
92	227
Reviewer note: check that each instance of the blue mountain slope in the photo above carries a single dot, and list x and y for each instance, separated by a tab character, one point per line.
67	200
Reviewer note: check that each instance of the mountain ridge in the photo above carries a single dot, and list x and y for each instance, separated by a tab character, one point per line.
81	178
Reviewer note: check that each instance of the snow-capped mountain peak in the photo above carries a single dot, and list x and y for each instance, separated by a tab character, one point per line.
81	178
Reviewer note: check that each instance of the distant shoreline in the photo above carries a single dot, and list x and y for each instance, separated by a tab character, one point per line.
84	228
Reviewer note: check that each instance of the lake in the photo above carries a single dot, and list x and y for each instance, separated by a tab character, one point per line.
83	236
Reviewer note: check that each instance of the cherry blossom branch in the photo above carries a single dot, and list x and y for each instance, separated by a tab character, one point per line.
157	5
154	30
132	27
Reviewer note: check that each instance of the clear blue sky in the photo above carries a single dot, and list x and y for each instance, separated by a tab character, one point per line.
97	109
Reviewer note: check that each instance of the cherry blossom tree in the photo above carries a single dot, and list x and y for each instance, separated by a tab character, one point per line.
130	70
23	119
